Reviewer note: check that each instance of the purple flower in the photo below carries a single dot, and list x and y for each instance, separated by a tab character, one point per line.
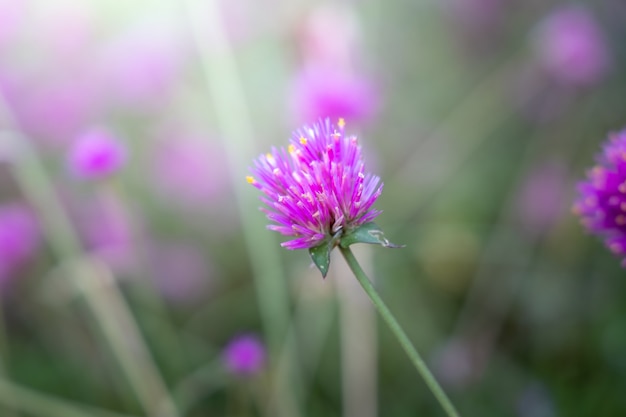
244	355
19	237
602	197
322	92
191	169
142	66
317	188
96	154
572	48
51	109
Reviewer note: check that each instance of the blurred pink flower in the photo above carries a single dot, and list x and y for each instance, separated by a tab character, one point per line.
328	84
63	30
319	93
244	355
572	48
11	14
50	109
140	68
191	168
96	154
330	37
19	237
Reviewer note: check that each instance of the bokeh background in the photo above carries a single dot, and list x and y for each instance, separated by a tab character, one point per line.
136	274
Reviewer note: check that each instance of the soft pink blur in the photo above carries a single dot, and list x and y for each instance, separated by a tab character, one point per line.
319	92
331	81
140	68
244	355
190	168
96	154
572	48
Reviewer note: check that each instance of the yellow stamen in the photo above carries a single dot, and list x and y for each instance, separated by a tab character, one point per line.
250	179
341	123
303	140
270	158
291	149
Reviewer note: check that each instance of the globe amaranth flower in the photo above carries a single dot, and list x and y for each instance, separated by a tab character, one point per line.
602	197
244	355
572	47
96	154
316	189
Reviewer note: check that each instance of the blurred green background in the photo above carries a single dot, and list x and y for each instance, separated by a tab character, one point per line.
480	116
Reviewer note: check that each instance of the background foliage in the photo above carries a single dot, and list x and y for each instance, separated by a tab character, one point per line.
143	276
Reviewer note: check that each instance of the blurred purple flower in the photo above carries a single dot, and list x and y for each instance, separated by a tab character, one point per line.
96	154
330	36
192	169
322	92
51	110
19	237
63	29
318	187
244	355
601	204
572	47
11	13
140	68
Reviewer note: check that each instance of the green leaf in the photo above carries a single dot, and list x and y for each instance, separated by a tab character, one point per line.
321	253
367	233
321	256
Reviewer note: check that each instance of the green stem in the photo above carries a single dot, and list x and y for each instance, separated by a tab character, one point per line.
39	404
404	340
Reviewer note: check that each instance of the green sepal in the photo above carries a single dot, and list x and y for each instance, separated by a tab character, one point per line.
321	253
367	233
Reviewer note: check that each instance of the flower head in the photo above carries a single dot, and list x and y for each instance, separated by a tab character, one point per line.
317	188
571	46
319	92
96	154
602	200
244	355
